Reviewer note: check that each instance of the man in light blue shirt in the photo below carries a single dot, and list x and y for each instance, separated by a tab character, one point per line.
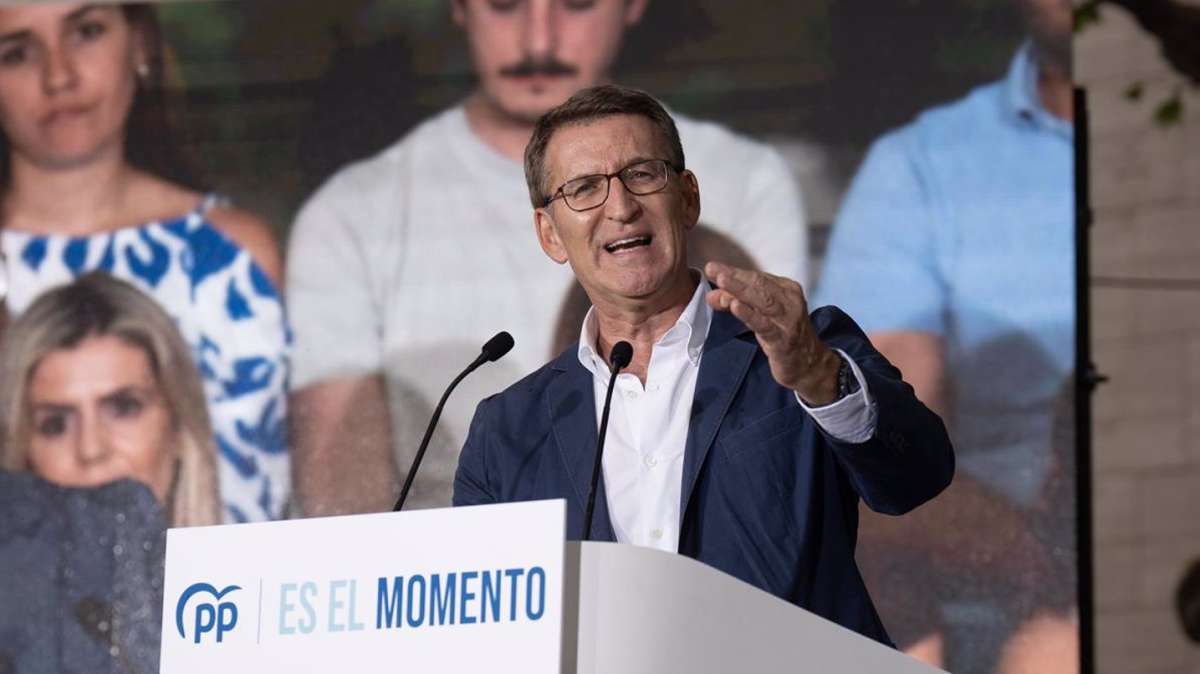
958	230
954	250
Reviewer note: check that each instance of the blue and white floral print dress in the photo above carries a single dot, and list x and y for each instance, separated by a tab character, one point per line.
227	310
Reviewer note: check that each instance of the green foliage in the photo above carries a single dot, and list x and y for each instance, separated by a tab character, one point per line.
1170	111
1086	14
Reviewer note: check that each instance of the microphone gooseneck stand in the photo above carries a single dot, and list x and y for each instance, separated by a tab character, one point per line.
619	357
495	347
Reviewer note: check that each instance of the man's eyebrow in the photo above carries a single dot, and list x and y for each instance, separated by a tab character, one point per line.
636	160
583	175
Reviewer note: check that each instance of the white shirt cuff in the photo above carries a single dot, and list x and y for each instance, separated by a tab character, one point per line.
851	419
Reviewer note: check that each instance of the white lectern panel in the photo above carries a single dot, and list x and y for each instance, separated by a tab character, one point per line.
642	610
453	590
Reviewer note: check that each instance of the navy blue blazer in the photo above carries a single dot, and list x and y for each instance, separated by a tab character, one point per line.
767	496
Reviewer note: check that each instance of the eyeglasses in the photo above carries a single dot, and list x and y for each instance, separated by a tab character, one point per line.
588	192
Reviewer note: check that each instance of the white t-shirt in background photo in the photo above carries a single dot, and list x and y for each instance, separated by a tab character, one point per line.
407	262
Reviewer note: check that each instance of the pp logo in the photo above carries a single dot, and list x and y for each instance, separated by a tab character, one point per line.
209	616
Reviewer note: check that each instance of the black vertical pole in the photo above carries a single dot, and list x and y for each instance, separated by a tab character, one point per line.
1086	380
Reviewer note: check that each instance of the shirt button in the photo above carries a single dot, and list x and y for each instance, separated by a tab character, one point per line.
631	394
656	534
651	461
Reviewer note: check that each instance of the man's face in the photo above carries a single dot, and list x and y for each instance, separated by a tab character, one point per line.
1049	22
531	55
631	247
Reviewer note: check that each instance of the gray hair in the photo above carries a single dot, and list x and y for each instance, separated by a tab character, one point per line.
588	105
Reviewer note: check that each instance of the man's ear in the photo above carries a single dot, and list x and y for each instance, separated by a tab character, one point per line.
634	9
458	12
547	234
690	188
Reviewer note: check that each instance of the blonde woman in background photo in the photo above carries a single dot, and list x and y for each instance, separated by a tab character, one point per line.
96	385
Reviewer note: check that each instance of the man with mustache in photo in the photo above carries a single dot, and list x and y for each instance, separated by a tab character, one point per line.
402	264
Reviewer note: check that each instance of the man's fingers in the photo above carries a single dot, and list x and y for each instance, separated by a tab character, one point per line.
719	299
723	300
757	289
720	270
766	329
773	307
740	282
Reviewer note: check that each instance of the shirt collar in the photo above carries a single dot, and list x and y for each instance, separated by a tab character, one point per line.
1021	96
690	329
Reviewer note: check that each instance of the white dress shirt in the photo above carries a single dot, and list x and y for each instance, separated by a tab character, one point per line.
648	425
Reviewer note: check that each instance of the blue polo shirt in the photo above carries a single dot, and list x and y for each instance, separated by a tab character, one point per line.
961	224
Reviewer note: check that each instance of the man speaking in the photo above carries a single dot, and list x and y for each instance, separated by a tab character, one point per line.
744	430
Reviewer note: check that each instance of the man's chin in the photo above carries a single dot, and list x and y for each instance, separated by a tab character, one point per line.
650	289
527	104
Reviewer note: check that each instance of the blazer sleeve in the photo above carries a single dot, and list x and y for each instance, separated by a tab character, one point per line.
471	478
909	459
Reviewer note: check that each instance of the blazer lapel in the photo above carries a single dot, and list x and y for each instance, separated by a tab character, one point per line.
572	409
724	364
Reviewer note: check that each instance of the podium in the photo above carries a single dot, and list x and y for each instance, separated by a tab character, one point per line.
635	610
490	588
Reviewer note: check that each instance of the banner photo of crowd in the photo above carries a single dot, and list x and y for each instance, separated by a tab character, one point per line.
247	244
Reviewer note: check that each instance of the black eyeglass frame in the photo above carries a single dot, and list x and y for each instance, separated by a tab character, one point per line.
608	184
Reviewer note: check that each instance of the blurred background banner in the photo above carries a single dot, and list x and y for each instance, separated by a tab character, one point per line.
278	95
281	93
927	162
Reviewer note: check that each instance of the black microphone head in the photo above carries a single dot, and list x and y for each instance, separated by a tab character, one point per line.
621	354
497	346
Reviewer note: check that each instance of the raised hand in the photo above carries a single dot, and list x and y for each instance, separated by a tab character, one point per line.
776	310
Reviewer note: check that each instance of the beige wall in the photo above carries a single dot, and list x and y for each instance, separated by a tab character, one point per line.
1146	195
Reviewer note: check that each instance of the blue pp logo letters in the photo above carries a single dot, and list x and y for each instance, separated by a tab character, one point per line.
209	615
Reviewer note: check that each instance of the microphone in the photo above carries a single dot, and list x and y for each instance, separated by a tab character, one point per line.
494	349
619	357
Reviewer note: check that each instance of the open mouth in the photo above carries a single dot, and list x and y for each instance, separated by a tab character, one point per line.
628	244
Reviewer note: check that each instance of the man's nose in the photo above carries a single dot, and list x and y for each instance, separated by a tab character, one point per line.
621	204
58	69
541	30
